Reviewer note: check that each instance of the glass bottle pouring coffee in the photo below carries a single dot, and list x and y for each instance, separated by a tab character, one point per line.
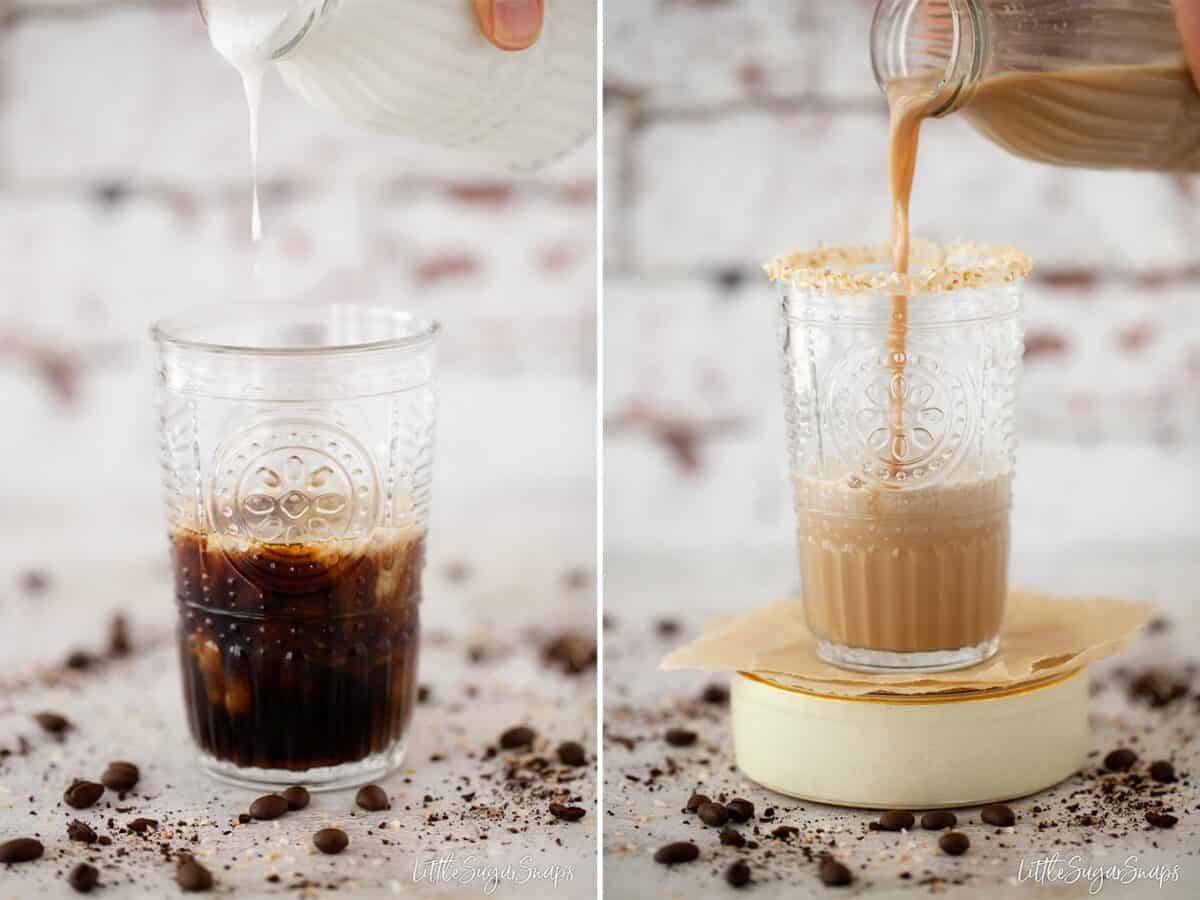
1091	83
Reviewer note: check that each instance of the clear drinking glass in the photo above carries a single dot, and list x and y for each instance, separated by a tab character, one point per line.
297	456
902	454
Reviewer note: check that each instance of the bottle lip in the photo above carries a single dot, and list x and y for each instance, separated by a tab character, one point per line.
956	37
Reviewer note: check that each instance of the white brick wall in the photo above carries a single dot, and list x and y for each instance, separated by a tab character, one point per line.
741	128
124	196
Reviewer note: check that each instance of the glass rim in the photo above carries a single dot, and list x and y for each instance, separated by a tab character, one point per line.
939	268
170	331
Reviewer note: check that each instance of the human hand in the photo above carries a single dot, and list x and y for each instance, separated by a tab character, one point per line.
511	24
1187	20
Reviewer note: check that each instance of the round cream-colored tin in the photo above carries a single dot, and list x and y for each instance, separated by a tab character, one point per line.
910	752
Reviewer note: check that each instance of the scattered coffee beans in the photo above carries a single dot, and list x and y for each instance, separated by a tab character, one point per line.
679	852
331	840
696	801
141	826
270	806
567	813
120	776
82	794
84	877
517	737
52	722
954	843
937	819
680	737
833	874
1162	771
738	874
713	814
296	797
740	810
998	814
372	798
20	850
193	877
716	694
1161	820
896	820
731	838
81	831
572	753
1120	760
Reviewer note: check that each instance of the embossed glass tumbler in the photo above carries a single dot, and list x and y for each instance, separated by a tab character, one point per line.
296	454
899	394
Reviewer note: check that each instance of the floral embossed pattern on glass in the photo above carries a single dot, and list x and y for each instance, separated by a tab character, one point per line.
297	453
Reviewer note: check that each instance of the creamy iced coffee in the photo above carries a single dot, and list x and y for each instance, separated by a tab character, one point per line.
922	571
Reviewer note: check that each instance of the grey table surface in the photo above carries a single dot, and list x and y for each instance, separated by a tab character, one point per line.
644	809
458	826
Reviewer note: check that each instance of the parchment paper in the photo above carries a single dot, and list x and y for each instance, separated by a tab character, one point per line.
1043	635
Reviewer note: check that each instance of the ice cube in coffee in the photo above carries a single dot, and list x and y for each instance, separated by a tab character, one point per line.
298	656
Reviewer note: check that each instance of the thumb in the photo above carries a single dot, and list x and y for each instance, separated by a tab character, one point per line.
510	24
1187	20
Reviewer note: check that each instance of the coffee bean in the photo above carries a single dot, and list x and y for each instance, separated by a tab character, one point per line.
52	722
567	813
244	819
20	850
696	801
833	874
267	807
296	797
731	838
680	737
517	737
740	810
141	826
81	831
1120	760
937	819
738	874
193	877
104	840
84	877
1161	820
118	636
120	776
331	840
896	820
424	692
713	814
1162	771
716	694
785	832
79	661
572	753
372	798
955	843
82	794
679	852
1157	688
666	627
998	814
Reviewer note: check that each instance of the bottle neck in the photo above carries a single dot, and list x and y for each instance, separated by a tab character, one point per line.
945	41
257	32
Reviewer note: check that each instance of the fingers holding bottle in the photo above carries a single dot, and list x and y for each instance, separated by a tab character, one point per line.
511	24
